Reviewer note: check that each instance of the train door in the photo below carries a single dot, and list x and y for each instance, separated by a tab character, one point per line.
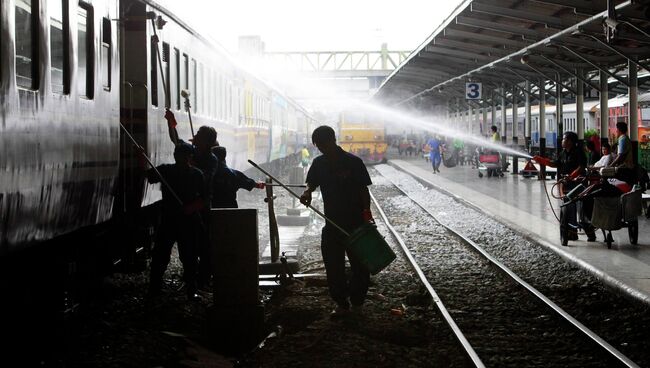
134	99
133	102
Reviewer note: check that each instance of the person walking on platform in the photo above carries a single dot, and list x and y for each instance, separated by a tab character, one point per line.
179	221
435	149
228	181
204	140
572	162
496	138
343	180
304	157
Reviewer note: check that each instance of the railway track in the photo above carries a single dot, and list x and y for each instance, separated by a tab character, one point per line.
498	318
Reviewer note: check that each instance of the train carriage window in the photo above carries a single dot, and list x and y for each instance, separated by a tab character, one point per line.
107	47
85	56
153	62
184	71
59	68
193	84
166	70
199	87
27	43
177	72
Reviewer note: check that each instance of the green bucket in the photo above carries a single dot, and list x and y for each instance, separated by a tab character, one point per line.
370	247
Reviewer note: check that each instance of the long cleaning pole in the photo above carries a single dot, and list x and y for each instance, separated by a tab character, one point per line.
297	196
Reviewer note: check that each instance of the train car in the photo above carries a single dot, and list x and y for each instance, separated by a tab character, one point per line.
364	136
569	122
73	196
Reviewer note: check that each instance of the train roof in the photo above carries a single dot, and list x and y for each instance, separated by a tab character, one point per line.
220	49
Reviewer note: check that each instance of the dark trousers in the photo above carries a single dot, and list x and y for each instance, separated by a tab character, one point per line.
184	233
571	216
333	250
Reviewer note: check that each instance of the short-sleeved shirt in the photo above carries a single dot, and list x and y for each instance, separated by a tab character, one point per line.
341	182
625	149
569	161
186	182
226	183
208	164
434	144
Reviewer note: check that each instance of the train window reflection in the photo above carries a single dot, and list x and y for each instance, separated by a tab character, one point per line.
192	86
84	51
106	54
154	73
59	46
26	42
177	79
166	68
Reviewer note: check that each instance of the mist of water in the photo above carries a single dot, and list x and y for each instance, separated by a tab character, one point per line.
434	125
391	116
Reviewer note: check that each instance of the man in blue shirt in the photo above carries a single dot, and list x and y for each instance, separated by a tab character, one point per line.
434	153
343	180
228	181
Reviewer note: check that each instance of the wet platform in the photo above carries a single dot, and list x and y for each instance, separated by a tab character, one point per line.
522	204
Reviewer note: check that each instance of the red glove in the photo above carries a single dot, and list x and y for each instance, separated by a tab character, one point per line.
367	216
542	160
171	119
575	173
260	185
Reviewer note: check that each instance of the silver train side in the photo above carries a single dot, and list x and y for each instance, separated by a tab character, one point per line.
66	167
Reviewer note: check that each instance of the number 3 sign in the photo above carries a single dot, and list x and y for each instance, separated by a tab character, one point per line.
473	91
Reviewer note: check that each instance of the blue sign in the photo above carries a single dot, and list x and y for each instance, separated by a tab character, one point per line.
473	91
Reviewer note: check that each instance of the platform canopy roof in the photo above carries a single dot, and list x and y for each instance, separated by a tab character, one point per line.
511	41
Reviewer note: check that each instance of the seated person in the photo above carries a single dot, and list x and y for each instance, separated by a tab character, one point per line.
606	158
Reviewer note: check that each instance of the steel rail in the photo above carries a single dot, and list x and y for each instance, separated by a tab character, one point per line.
584	329
436	299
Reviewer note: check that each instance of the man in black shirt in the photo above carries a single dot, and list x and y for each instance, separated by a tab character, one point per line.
179	218
571	163
343	181
204	140
228	181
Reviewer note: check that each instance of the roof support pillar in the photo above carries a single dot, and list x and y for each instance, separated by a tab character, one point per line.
528	115
558	116
477	120
493	111
604	110
470	117
504	135
483	126
580	106
633	126
515	130
542	126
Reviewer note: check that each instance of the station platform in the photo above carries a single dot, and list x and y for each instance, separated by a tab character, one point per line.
521	203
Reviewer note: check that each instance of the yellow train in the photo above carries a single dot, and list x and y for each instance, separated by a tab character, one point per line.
363	136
